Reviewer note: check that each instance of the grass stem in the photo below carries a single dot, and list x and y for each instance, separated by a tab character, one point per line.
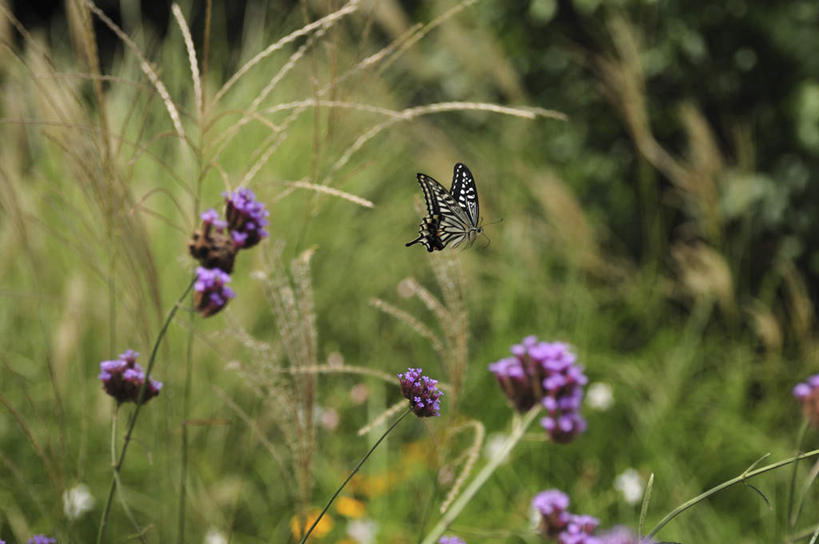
747	475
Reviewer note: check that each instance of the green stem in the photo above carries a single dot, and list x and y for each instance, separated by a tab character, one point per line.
792	491
358	466
518	429
741	478
132	421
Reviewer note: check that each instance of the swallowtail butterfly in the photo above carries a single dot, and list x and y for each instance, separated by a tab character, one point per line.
452	216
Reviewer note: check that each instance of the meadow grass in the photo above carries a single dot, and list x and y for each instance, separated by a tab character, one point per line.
104	175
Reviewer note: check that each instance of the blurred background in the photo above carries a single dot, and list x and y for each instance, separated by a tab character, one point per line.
655	213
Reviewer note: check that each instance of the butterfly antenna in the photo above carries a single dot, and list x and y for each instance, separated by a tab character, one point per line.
488	240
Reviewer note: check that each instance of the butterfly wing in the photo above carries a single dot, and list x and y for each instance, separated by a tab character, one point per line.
464	192
454	224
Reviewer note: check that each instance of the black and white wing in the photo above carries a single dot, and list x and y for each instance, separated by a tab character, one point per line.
446	222
454	222
463	191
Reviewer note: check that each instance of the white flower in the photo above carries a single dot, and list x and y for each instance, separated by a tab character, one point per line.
77	501
630	484
362	531
215	536
600	396
329	418
359	393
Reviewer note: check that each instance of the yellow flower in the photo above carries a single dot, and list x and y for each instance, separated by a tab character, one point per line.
324	526
350	507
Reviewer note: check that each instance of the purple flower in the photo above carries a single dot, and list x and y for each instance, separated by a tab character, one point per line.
41	539
621	535
451	540
211	217
547	373
421	391
123	378
808	394
211	292
552	505
246	216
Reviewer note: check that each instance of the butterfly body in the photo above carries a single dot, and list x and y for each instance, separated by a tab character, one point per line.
452	216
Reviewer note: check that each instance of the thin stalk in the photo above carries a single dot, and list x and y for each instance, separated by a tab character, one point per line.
132	421
344	483
800	438
741	478
518	429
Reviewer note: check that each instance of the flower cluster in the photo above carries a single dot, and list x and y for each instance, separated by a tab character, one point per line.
422	392
580	530
41	539
558	524
451	540
554	517
246	218
621	535
545	372
217	242
123	378
808	394
211	292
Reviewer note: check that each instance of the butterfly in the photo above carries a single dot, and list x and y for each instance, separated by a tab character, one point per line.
452	216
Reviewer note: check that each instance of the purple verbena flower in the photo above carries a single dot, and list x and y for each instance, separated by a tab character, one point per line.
41	539
123	378
211	217
621	535
552	505
808	394
246	216
211	292
451	540
547	373
422	392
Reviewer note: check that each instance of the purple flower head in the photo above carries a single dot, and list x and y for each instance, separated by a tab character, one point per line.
123	378
582	524
547	373
211	292
451	540
41	539
211	217
552	505
246	216
621	535
808	394
422	392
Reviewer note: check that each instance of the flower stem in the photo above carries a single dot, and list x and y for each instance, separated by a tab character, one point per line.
724	485
518	429
132	421
358	466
